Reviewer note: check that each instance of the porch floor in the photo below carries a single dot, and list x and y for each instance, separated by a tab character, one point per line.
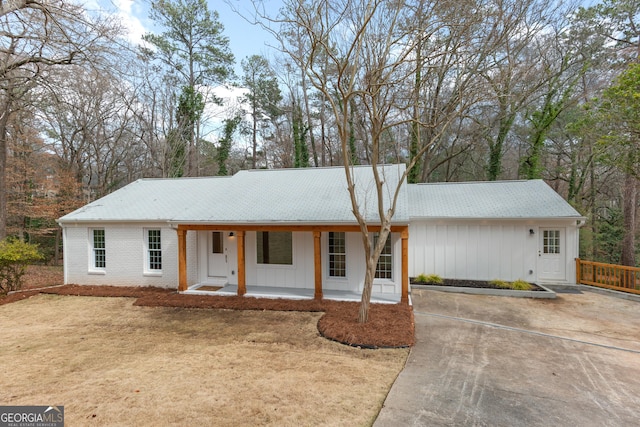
293	293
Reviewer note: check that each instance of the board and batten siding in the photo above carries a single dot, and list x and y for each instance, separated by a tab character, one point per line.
484	250
297	275
356	266
125	256
301	273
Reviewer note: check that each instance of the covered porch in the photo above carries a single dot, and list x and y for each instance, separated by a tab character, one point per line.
318	292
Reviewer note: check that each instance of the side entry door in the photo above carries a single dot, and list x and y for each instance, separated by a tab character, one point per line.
551	254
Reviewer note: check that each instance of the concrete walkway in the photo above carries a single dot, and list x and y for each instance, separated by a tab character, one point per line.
496	361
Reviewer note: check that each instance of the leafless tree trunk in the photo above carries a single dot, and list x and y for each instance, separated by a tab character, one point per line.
4	120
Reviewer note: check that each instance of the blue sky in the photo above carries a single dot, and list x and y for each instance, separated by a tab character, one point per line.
244	39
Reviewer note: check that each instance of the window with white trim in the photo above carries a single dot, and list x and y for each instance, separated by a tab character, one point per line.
337	254
154	249
98	249
384	268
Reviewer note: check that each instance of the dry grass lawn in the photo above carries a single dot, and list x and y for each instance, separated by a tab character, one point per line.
111	363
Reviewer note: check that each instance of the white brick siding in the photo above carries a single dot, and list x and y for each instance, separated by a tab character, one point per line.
125	256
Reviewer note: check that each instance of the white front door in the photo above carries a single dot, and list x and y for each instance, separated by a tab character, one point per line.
551	253
217	259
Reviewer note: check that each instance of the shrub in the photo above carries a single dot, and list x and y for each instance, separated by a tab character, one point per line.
14	258
500	283
431	279
518	285
421	278
434	279
521	285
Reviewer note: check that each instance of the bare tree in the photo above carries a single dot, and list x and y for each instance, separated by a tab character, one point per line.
371	51
91	123
156	102
456	41
34	37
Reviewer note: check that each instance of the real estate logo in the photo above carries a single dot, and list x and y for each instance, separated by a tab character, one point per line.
31	416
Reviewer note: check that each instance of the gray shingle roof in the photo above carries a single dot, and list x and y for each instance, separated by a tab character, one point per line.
284	196
498	199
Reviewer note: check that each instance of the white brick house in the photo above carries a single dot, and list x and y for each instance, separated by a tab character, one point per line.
293	229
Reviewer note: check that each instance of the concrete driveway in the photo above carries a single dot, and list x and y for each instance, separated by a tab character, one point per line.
499	361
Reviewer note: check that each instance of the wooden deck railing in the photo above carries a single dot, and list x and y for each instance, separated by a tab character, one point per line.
610	276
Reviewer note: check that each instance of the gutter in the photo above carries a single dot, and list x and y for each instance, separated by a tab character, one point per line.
77	222
175	224
580	220
281	223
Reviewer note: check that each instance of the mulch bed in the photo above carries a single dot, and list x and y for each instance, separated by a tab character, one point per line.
389	325
470	284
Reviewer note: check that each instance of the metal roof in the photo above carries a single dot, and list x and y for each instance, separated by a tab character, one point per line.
488	200
150	200
282	196
317	196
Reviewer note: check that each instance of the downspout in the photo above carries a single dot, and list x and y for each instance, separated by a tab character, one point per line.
579	224
65	265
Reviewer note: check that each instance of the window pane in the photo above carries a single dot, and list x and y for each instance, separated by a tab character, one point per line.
337	254
385	262
99	252
217	244
155	249
274	247
98	239
551	241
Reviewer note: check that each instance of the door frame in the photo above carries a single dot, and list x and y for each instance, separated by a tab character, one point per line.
204	246
220	265
561	275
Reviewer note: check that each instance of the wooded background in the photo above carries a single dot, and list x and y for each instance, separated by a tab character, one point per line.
472	90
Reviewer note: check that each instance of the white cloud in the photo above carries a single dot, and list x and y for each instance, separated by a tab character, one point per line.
128	13
131	22
231	106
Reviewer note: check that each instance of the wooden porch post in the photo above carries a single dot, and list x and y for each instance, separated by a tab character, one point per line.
242	277
182	259
317	264
404	299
